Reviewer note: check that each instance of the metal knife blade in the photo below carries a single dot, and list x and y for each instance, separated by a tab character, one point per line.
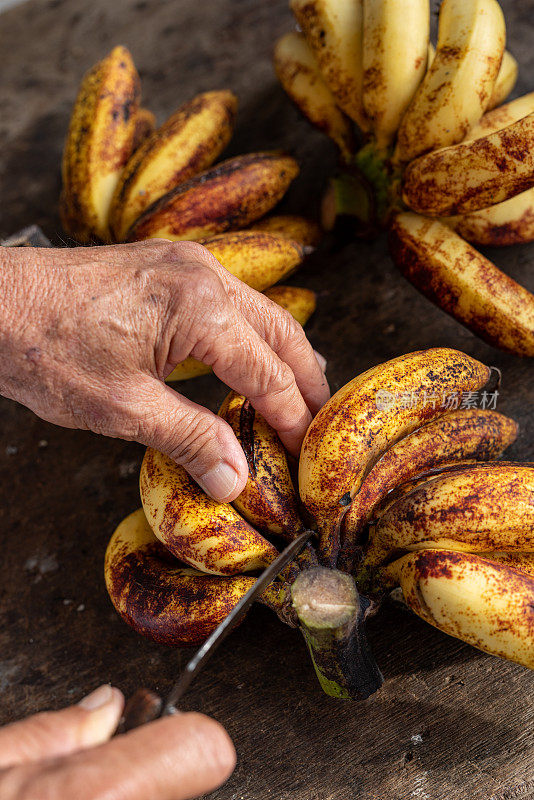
139	711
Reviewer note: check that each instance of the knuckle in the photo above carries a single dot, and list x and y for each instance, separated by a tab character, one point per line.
197	439
276	380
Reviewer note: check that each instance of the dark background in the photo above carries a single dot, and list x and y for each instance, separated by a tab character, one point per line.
450	722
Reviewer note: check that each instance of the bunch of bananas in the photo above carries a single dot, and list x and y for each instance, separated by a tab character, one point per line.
124	180
400	489
427	149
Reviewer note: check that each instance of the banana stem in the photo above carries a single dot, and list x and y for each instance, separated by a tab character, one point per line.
331	616
277	597
364	194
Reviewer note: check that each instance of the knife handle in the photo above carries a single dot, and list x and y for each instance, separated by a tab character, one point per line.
142	707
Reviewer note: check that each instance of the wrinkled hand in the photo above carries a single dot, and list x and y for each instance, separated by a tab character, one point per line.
87	336
66	754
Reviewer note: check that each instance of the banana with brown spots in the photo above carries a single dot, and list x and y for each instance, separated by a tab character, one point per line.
476	509
455	437
334	32
457	88
291	226
232	194
505	81
187	143
483	602
99	142
268	501
300	75
465	284
509	222
395	51
472	175
366	417
207	535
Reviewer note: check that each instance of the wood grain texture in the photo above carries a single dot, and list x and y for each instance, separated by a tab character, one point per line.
450	723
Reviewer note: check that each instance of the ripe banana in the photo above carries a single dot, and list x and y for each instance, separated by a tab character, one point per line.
190	141
298	301
472	175
145	124
457	88
457	278
509	222
159	597
268	501
256	258
395	51
231	194
299	74
456	436
356	426
524	562
291	226
207	535
476	509
505	80
334	32
485	603
99	142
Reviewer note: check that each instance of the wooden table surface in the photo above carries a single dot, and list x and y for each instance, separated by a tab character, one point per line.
450	723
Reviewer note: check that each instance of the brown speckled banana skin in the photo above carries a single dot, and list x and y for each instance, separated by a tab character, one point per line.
457	88
145	124
474	174
291	226
461	281
158	596
99	142
207	535
231	194
352	431
457	436
187	143
299	74
475	509
483	602
268	501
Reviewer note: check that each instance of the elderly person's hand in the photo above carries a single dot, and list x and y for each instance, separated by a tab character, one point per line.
88	335
66	754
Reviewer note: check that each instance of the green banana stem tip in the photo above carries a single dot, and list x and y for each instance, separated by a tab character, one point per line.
331	616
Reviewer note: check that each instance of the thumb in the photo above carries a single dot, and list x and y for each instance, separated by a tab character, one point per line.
58	733
200	441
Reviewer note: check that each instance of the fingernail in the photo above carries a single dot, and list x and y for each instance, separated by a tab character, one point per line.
220	481
321	360
97	699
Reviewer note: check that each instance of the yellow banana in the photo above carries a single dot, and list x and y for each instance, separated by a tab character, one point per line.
395	51
524	562
231	194
485	603
456	436
462	282
207	535
505	80
187	143
299	302
457	88
364	418
256	258
145	124
268	501
509	222
291	226
299	74
99	142
501	117
475	509
472	175
334	32
159	597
